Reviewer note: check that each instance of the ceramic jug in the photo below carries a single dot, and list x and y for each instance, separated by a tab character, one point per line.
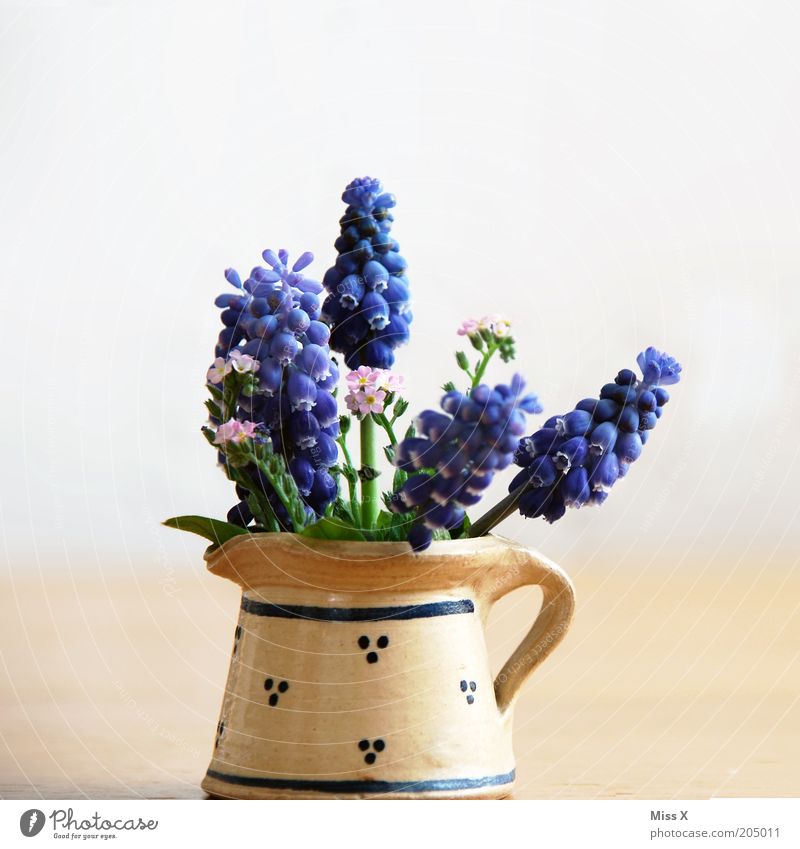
360	669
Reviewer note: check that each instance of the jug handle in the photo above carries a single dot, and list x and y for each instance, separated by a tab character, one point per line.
521	568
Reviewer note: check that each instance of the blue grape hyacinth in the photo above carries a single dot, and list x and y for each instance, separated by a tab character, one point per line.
368	306
454	455
576	458
274	317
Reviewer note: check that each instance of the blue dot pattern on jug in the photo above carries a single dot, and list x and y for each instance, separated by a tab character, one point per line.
364	643
468	685
377	746
282	687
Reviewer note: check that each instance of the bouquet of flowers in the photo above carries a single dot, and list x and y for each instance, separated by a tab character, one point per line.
281	434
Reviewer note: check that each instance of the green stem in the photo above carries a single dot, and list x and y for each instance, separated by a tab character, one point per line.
502	510
370	491
476	379
381	419
351	484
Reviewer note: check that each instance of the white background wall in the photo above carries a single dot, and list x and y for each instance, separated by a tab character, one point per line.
610	175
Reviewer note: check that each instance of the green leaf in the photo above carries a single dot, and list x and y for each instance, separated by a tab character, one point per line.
449	386
400	477
211	529
462	361
332	529
342	511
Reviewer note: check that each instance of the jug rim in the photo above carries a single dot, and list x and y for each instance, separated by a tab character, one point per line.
291	560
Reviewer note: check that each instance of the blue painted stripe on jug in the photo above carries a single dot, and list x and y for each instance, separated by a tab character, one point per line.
357	614
355	786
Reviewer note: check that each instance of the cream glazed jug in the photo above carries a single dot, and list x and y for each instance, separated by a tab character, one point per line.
360	669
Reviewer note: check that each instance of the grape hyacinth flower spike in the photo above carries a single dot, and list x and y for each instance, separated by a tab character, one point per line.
455	454
367	306
576	459
272	329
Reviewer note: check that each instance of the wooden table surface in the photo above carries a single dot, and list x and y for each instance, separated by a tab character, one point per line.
668	686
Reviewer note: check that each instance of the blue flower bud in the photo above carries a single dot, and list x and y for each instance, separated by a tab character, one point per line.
420	537
647	402
326	409
376	354
302	261
325	453
329	383
303	474
395	333
304	429
283	347
628	419
416	490
298	320
575	489
647	421
226	300
603	438
318	333
269	374
302	390
315	361
259	307
542	471
393	262
545	441
375	275
572	453
397	292
432	424
310	302
271	258
576	423
587	404
443	516
534	501
478	483
323	491
606	410
351	291
375	310
232	276
606	472
628	447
